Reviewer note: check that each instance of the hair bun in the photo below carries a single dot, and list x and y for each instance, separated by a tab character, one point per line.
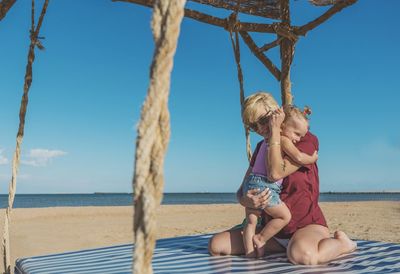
307	110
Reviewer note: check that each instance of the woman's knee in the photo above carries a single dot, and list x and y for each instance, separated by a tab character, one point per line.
303	256
304	245
226	243
212	247
216	246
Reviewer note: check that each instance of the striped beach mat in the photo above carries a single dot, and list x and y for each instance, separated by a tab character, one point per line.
189	254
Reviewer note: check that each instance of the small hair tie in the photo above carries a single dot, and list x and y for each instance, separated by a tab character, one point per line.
307	111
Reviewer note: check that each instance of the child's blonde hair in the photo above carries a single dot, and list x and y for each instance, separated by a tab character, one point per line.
255	101
292	111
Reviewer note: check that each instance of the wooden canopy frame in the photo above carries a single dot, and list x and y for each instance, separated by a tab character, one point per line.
148	176
286	34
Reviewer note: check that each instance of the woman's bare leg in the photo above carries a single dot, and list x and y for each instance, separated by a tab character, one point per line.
330	249
312	245
230	242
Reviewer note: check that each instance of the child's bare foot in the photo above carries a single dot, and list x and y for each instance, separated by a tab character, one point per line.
259	245
349	245
251	254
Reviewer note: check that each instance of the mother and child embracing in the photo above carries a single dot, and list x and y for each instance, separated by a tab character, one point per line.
280	191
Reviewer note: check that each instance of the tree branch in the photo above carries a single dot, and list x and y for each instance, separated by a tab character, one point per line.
212	20
271	45
324	17
264	59
5	6
257	8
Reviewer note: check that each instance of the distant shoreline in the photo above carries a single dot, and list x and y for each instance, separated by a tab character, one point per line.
121	199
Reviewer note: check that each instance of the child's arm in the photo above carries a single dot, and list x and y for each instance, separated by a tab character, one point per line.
296	155
277	167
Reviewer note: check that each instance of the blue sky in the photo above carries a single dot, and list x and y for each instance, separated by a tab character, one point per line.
90	82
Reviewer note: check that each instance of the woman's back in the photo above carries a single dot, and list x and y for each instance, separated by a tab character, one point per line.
300	191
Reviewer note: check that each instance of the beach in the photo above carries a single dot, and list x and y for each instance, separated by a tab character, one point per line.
39	231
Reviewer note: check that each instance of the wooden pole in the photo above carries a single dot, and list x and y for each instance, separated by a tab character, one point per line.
287	51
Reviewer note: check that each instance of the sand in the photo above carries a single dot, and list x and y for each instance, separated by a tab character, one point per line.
39	231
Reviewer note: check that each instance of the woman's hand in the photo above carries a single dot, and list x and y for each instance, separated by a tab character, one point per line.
277	118
253	199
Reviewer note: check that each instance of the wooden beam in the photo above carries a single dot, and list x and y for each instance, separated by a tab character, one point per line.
324	17
266	9
285	30
5	6
324	2
260	55
271	45
212	20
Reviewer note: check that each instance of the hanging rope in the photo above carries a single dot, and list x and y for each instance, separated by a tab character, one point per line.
153	132
34	33
232	22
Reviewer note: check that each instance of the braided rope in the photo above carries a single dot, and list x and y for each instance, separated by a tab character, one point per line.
34	33
236	50
153	132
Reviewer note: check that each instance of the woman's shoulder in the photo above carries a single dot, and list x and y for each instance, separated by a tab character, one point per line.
253	157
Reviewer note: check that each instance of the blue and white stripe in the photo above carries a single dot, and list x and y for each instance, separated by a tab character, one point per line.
189	254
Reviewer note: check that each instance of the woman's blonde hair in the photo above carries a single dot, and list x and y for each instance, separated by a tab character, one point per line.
255	101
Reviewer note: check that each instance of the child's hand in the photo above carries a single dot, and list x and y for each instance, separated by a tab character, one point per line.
315	156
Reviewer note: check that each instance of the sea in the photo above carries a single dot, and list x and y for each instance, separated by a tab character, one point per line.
125	199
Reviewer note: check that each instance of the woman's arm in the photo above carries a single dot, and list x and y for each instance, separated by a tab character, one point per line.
278	167
239	192
296	155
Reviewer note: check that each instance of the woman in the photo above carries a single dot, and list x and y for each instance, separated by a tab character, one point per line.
309	239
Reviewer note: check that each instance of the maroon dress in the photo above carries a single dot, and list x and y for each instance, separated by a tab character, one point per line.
300	191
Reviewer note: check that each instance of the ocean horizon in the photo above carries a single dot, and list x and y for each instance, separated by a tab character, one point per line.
170	198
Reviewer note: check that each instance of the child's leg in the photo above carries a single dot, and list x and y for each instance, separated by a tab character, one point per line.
249	231
280	217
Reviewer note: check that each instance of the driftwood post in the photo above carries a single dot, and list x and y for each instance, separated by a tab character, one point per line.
287	51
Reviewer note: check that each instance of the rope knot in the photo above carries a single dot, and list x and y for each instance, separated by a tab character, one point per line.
36	39
232	24
285	31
